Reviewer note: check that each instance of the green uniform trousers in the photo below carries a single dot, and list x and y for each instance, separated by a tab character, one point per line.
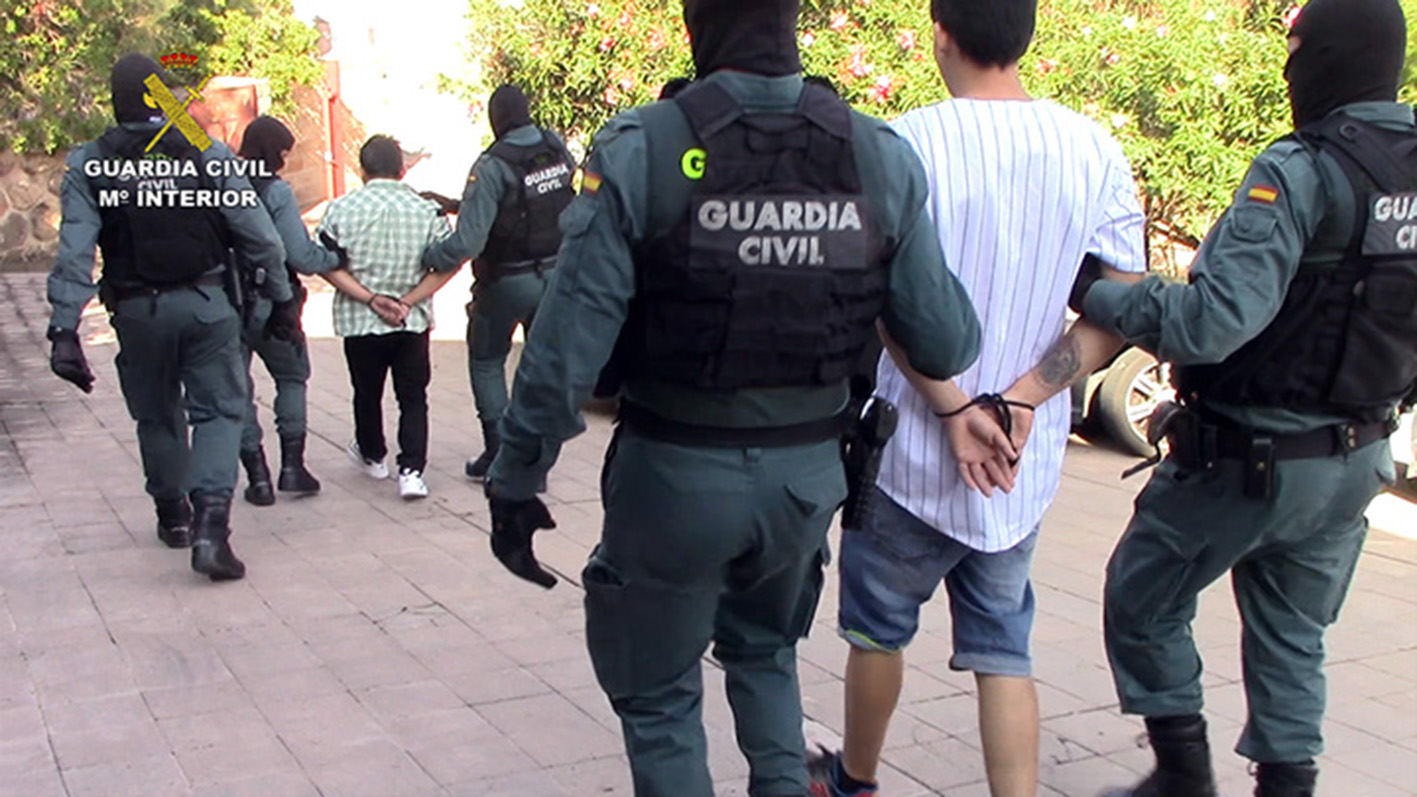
289	367
182	348
1290	559
708	545
497	307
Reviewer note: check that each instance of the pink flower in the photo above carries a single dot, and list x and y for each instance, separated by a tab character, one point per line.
625	18
611	96
857	64
592	10
839	21
1291	17
906	40
656	39
606	44
881	91
808	39
1111	58
1046	66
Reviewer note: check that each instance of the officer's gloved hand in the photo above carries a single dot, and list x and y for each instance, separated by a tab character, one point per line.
445	204
331	244
513	523
284	323
67	360
1088	275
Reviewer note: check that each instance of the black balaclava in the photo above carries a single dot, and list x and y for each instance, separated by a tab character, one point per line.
507	110
1350	51
758	36
126	81
265	140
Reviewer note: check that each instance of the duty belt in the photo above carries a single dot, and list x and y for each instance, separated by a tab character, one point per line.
1329	441
119	293
1197	444
514	268
650	424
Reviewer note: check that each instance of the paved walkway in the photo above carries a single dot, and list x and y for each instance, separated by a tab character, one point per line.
376	647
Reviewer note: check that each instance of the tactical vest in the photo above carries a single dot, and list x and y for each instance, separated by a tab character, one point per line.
770	271
147	243
1345	339
527	227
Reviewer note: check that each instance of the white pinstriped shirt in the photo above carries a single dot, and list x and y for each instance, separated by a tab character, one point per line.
1020	191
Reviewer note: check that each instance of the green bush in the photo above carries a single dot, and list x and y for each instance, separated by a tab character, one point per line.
1192	88
55	56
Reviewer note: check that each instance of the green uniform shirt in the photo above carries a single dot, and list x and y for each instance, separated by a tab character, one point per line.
1284	215
302	255
928	312
71	281
384	227
489	181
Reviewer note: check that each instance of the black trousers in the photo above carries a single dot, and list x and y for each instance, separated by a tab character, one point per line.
370	359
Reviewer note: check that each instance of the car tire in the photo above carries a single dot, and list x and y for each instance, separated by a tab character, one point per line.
1135	384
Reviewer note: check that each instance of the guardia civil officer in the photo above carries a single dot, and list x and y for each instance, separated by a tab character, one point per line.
1294	341
179	335
740	243
267	141
507	225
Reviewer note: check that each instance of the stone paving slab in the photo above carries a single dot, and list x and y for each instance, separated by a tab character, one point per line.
377	648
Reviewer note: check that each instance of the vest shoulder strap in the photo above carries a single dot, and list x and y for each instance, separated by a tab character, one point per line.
1368	147
708	107
823	108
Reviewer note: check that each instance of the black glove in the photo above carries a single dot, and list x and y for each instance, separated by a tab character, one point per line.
445	204
284	323
67	361
1088	274
331	244
513	523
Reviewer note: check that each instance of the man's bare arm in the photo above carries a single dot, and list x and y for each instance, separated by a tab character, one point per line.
426	287
349	285
1081	350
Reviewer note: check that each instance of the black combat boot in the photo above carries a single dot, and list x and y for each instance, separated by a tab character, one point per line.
258	478
211	552
491	442
174	522
1182	760
294	477
1286	780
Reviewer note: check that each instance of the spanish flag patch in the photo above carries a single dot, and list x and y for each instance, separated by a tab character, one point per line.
590	183
1264	193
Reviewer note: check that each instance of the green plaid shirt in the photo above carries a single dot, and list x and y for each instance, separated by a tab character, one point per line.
384	227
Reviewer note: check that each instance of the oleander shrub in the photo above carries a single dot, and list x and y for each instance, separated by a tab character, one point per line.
1192	88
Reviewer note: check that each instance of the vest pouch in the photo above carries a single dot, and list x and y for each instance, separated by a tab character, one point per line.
173	246
1379	360
780	311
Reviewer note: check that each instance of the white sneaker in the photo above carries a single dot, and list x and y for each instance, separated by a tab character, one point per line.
411	484
374	469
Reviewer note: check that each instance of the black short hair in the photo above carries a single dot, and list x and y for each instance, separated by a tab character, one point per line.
989	32
381	156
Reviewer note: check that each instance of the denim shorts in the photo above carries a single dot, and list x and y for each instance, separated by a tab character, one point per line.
891	568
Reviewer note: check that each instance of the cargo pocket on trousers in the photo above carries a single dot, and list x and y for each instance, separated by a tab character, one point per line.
607	626
811	595
817	498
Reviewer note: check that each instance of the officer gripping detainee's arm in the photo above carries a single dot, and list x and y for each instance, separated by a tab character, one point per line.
926	309
489	182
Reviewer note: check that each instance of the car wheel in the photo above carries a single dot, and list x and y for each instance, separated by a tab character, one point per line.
1135	384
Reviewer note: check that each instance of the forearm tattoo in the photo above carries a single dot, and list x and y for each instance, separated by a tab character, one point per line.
1060	365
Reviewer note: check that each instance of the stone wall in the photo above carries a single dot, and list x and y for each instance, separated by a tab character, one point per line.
29	208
